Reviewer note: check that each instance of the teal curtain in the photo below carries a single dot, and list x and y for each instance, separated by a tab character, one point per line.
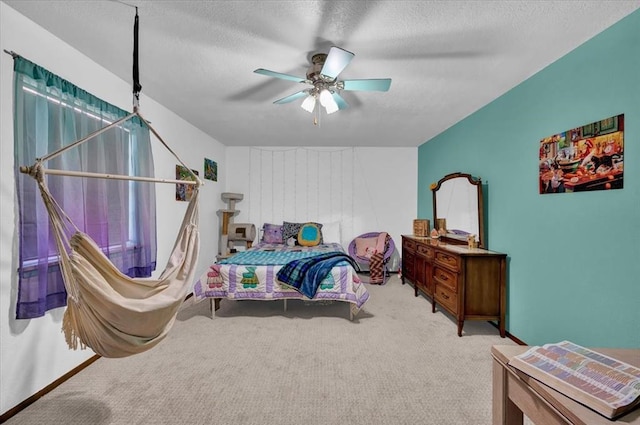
50	113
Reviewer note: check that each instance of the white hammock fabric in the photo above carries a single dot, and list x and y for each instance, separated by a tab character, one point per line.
107	311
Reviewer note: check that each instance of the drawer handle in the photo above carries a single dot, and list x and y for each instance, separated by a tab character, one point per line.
449	260
443	276
445	296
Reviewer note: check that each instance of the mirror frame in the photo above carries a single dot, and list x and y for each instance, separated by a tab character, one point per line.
480	213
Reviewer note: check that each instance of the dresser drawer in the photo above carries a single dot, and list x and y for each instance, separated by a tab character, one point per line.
408	262
425	251
448	260
409	244
445	277
447	297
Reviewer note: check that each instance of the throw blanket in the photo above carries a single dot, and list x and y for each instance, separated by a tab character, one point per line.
376	268
306	274
377	262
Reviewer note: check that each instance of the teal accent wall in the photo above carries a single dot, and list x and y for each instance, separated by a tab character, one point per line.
573	258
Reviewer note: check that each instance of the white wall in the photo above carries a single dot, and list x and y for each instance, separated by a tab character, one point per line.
365	189
33	353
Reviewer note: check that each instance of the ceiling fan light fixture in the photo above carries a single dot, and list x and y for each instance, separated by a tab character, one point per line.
309	103
327	100
331	108
325	97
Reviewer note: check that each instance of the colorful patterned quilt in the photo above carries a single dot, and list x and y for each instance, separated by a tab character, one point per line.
252	275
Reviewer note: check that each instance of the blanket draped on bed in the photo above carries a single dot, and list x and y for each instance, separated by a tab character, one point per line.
306	274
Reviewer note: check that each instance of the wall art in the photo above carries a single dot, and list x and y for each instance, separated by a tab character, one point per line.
585	158
210	170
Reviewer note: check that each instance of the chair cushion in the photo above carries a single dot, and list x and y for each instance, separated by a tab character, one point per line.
366	247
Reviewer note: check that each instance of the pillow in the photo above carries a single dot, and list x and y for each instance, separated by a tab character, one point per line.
272	233
290	230
366	247
309	234
331	232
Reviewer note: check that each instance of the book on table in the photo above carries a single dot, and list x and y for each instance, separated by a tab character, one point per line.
604	384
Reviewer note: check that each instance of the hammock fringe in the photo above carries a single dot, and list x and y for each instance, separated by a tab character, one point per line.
69	327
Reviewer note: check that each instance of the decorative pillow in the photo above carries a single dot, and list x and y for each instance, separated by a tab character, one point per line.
290	230
272	233
309	234
366	247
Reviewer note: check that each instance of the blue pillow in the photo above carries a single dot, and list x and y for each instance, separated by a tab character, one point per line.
309	234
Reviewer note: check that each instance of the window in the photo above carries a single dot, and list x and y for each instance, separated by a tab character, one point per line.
49	114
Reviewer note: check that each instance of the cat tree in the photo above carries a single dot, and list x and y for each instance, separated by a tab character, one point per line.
232	233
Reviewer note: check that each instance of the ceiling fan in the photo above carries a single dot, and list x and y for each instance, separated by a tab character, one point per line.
322	75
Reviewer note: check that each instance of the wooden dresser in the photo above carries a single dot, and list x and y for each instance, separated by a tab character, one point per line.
467	282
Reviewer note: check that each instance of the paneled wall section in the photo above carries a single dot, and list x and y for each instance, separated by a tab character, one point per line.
365	189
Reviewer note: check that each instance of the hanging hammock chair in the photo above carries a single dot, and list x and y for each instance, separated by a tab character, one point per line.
107	311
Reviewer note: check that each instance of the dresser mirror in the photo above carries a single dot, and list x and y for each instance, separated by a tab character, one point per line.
458	208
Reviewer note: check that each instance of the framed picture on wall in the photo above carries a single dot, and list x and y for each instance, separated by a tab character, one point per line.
210	170
591	158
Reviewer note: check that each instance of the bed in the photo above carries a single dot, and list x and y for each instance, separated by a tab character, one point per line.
253	275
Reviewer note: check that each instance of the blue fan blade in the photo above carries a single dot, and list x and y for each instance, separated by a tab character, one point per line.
337	60
292	97
280	75
380	84
342	104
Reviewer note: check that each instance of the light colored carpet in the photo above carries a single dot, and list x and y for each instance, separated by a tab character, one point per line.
396	363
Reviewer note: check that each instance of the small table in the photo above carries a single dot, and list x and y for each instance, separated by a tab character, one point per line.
515	393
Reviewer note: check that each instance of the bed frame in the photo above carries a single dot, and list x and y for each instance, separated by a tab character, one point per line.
252	276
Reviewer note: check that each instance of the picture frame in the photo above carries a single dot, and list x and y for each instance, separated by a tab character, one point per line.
210	170
590	159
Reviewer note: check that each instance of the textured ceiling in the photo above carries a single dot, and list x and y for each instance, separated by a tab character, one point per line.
446	58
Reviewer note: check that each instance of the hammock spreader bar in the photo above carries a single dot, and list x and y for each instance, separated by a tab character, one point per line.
38	168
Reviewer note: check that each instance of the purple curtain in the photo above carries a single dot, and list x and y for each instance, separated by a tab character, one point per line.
119	215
